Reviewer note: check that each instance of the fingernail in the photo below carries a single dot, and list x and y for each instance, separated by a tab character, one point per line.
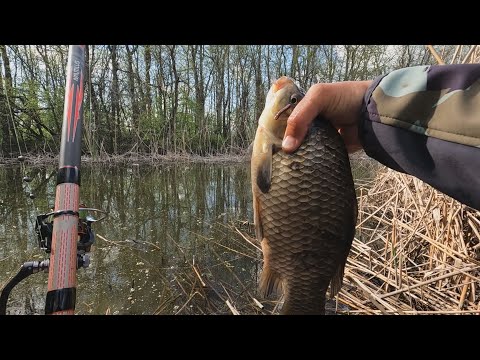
289	143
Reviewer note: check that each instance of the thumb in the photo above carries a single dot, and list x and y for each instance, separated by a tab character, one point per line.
300	119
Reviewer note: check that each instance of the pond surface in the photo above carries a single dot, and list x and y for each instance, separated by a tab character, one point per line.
173	243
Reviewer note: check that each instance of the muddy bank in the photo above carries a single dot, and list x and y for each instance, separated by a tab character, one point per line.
132	159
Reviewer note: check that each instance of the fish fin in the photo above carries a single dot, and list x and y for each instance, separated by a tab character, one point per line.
337	280
270	280
264	170
250	150
257	219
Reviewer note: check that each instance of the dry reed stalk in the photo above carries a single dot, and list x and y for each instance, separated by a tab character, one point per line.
469	54
232	308
457	51
416	253
435	55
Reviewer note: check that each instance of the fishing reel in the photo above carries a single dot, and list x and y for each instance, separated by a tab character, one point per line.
44	231
86	236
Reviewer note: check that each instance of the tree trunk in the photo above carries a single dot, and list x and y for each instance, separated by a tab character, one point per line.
259	89
294	63
131	90
5	102
197	64
226	106
176	81
115	99
148	89
91	101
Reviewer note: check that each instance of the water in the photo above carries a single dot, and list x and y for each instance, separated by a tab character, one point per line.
162	220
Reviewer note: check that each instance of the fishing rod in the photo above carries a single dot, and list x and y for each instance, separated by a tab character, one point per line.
65	233
62	277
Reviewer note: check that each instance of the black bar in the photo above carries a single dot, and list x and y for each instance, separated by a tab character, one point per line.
68	175
65	212
60	300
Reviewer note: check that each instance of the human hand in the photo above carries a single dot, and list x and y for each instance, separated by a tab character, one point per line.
340	103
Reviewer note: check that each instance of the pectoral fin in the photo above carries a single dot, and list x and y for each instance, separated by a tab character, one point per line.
270	281
257	219
264	169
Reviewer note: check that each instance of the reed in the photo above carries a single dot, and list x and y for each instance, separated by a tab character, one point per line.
416	251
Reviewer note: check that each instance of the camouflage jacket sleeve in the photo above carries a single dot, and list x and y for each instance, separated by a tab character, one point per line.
425	121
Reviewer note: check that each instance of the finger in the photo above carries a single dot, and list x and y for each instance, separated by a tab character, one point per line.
298	122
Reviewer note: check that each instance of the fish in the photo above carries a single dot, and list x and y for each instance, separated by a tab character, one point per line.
304	205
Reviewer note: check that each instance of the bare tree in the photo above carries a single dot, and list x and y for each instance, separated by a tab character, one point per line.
189	98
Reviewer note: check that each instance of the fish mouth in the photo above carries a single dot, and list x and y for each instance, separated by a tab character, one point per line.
282	110
281	82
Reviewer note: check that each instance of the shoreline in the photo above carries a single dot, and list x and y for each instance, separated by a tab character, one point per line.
132	159
149	159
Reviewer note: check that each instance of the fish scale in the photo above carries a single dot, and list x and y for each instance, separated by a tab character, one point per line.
308	218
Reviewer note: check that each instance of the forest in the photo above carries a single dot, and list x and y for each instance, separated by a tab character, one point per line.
170	99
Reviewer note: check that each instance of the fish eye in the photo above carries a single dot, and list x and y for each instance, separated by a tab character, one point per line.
293	99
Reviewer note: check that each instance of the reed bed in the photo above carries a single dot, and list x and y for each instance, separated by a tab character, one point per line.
416	251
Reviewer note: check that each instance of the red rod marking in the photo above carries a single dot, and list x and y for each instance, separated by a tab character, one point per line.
78	102
69	111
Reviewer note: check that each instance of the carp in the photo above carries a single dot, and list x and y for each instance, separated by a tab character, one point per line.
305	206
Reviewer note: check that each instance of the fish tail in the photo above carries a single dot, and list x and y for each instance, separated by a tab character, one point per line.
269	282
337	281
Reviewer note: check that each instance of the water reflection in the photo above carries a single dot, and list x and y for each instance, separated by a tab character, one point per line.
160	220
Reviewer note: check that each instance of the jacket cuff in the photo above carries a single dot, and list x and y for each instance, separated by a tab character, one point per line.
365	115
